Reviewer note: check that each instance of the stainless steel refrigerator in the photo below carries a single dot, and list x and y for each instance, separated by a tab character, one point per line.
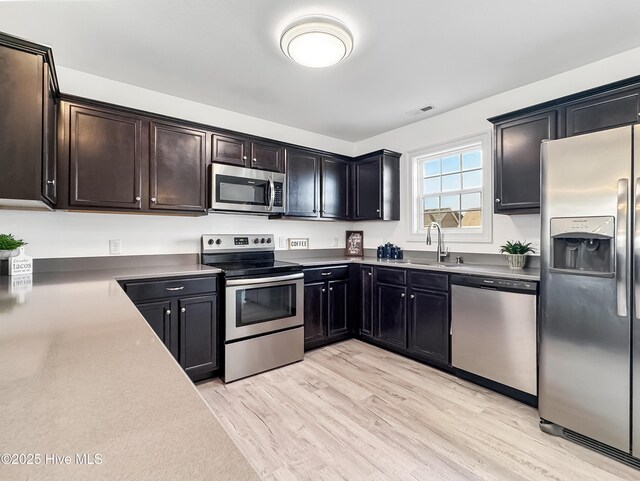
589	373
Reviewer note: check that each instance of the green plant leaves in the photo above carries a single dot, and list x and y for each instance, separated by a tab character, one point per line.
10	243
516	247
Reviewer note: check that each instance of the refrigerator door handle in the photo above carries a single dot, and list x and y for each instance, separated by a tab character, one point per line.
636	250
621	246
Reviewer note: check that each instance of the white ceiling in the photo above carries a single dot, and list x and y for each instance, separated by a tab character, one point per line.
407	53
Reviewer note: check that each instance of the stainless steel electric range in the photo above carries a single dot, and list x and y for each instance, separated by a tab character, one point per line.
263	303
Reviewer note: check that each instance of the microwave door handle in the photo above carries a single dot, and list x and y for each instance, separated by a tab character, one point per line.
272	193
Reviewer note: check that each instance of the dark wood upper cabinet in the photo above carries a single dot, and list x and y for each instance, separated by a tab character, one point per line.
303	183
105	159
429	325
177	157
376	186
603	111
28	97
267	156
334	188
230	150
517	161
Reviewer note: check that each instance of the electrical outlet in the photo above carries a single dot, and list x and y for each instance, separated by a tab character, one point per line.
336	241
115	247
282	242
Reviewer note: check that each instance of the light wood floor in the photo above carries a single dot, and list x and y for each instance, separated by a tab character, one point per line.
355	412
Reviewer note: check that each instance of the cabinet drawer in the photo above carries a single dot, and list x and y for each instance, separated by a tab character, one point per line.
391	276
327	273
169	287
429	280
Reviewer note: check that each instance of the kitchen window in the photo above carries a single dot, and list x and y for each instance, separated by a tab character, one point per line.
452	186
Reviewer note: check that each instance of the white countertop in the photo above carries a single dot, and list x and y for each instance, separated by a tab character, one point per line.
82	372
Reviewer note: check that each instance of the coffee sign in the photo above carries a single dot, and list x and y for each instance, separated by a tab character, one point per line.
20	264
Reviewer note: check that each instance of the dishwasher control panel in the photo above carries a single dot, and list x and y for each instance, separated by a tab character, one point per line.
494	283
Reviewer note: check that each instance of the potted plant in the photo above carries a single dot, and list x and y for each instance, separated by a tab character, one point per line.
516	253
9	245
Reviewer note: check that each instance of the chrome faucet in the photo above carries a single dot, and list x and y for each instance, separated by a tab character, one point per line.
440	254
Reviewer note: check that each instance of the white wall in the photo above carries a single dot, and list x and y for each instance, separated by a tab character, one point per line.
471	119
71	234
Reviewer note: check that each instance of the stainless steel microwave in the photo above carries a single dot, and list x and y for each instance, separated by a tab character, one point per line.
236	189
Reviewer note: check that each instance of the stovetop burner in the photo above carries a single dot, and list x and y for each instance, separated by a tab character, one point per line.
244	255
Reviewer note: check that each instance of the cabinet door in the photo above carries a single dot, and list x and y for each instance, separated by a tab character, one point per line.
105	159
335	188
230	150
20	124
517	161
198	334
158	315
267	156
338	305
603	111
177	168
366	301
315	317
368	187
391	315
303	184
49	154
429	325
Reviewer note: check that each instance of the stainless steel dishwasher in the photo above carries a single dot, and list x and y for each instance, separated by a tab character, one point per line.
494	333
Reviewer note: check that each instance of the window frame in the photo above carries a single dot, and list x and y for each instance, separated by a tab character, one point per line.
467	234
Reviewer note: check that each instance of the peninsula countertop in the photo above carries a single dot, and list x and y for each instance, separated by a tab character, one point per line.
529	274
82	373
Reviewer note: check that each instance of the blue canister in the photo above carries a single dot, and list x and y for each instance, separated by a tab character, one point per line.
387	250
393	252
380	252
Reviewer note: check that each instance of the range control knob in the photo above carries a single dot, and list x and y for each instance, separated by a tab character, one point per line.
218	241
263	240
256	240
210	242
269	240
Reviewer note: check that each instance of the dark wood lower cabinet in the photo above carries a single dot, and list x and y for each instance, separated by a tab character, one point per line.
198	334
314	313
158	315
326	306
338	307
188	324
391	315
429	325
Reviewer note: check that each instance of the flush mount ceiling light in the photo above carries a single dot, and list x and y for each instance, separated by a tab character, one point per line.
316	41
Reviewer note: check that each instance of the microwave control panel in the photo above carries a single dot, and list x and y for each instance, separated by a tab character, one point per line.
278	195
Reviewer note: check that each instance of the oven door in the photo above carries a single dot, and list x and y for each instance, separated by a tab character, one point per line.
263	305
246	190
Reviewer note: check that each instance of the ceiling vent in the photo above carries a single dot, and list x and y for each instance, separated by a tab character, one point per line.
426	108
422	110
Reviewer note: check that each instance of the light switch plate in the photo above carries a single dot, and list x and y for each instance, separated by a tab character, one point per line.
115	247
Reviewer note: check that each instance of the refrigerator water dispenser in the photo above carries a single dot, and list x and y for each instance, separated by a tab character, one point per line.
583	245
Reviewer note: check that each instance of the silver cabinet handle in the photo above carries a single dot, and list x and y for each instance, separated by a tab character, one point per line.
174	288
168	312
138	198
255	160
244	157
324	290
621	246
153	199
402	295
326	274
378	211
497	200
370	274
51	182
412	296
331	288
184	309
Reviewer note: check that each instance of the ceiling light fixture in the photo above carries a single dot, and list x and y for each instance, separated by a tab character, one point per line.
316	41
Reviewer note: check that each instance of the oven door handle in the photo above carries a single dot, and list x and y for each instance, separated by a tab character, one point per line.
264	280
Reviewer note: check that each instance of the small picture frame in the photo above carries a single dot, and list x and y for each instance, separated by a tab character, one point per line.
355	243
